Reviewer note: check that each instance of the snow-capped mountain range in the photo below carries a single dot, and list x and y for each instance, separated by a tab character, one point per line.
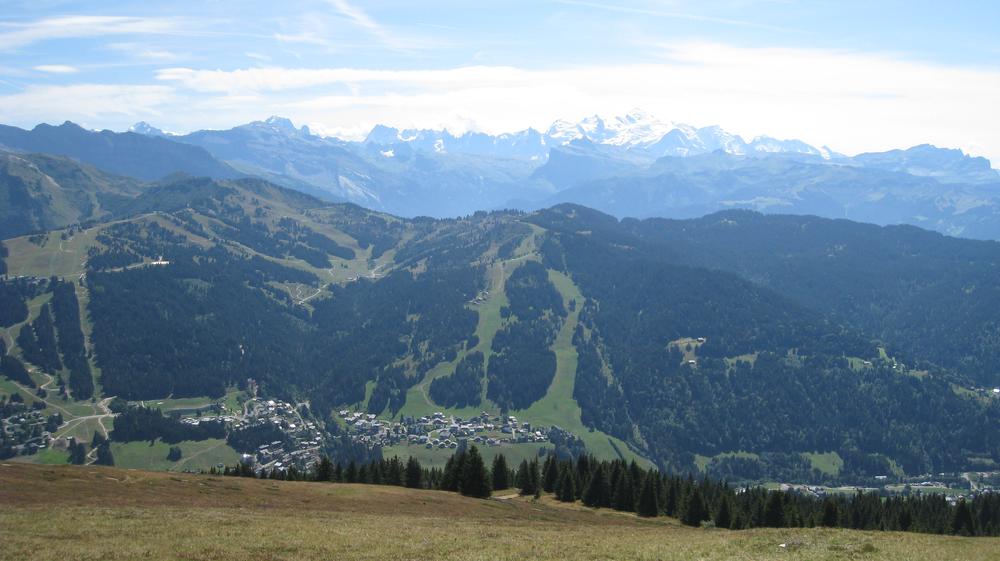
632	165
637	133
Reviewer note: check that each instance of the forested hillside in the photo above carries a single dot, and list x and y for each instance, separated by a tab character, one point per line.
743	345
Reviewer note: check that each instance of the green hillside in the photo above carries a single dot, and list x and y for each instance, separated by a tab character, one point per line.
101	513
622	339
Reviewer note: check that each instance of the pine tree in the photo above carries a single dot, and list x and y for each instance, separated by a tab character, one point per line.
414	473
583	473
174	454
648	504
351	473
670	501
523	480
474	480
454	468
622	497
104	456
693	510
536	478
723	516
324	469
774	511
550	474
830	516
394	472
565	485
596	493
77	452
500	473
961	522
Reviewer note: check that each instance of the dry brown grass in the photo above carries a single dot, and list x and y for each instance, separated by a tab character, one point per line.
68	513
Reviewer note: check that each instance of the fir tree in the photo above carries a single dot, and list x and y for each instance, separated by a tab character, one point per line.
523	480
596	493
723	516
961	522
536	478
324	469
351	473
693	510
550	474
454	468
621	499
414	473
174	454
474	480
394	472
77	452
774	511
670	501
829	518
104	456
500	473
566	489
648	504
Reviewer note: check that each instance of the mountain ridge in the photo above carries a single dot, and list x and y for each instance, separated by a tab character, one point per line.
565	308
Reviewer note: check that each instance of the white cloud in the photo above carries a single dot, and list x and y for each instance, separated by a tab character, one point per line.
88	104
388	38
851	101
144	52
15	35
659	13
57	69
276	79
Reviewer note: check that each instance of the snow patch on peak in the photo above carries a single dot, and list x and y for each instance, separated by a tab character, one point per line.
146	129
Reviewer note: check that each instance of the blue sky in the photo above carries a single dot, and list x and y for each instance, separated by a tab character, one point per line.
853	75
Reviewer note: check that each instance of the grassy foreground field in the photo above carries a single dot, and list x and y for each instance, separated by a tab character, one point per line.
91	513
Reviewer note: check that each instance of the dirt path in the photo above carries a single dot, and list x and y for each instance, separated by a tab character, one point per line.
184	461
43	399
372	274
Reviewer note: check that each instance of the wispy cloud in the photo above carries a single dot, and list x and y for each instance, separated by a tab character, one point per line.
91	103
688	16
145	52
57	69
388	38
276	79
17	35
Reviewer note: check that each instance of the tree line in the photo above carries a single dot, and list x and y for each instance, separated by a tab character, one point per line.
627	487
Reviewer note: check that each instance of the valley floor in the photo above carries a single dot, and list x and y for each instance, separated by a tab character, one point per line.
70	513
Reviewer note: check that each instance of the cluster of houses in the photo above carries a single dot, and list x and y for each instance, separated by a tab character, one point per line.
480	298
23	432
440	431
304	439
987	392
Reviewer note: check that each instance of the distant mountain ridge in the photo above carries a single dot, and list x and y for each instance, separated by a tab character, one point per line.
631	165
136	155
